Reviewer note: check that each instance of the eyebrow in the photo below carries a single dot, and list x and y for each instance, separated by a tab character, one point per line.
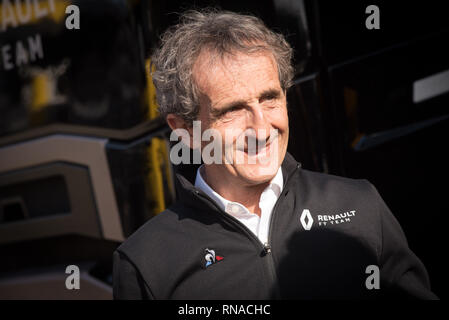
269	93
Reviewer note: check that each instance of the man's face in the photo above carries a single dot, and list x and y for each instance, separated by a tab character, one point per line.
241	98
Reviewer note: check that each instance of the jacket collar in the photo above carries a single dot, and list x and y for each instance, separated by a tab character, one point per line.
187	193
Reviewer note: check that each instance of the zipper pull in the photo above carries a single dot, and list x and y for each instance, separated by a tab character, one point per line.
266	248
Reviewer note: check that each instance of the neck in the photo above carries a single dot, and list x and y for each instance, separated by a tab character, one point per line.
246	194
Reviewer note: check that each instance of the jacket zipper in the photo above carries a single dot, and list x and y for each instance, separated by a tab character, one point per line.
265	247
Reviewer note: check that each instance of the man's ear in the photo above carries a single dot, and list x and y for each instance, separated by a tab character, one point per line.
176	122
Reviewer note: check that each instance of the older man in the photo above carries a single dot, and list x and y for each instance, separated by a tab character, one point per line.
247	228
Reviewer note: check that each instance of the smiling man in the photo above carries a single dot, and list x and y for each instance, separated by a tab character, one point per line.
254	224
242	99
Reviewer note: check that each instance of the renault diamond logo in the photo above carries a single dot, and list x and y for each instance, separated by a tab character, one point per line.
306	219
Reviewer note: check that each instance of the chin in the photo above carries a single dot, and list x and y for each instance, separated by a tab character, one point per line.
258	169
256	173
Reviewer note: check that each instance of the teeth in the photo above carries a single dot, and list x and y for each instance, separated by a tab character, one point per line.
256	147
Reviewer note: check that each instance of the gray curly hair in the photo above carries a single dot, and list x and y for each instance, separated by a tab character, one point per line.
221	32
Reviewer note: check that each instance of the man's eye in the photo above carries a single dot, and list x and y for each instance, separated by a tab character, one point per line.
233	110
269	98
271	102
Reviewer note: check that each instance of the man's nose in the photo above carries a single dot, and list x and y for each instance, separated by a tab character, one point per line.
259	122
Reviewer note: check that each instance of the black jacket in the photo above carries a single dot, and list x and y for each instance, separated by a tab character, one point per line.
166	257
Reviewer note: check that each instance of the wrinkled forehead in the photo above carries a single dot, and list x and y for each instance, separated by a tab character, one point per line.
211	64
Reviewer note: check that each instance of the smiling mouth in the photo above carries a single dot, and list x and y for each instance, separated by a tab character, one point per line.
257	150
260	148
